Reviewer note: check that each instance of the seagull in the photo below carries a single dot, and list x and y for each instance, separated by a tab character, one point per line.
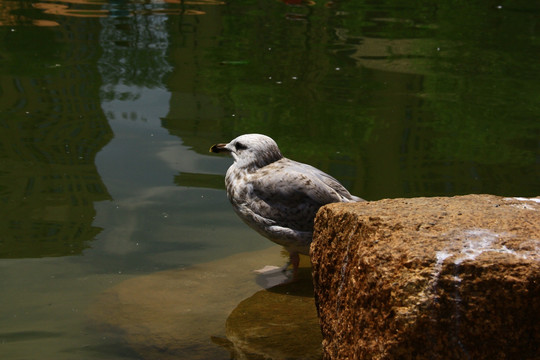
276	196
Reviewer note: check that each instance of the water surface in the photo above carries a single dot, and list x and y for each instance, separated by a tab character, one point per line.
108	108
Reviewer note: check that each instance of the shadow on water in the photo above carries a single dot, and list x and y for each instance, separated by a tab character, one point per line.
276	323
28	335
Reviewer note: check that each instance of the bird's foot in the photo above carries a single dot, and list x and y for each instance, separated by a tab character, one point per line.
268	269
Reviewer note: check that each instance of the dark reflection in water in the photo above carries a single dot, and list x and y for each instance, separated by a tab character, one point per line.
52	127
278	323
395	101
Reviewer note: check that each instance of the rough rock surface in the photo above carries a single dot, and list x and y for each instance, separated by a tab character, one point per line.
429	278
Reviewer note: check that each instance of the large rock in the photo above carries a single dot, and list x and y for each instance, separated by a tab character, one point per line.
429	278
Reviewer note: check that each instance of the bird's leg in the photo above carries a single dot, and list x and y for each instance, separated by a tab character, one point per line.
294	259
284	268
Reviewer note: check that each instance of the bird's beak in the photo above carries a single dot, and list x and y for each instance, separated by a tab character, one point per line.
219	148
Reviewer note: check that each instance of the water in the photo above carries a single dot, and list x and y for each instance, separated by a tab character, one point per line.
107	111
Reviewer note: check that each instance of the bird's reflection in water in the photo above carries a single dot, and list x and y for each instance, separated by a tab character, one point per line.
279	322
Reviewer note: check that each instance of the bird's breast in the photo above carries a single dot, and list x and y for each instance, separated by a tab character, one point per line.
237	185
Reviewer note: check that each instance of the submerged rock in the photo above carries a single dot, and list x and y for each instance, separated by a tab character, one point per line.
217	310
429	278
278	323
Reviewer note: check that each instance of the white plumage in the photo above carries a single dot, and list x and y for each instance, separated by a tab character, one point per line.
276	196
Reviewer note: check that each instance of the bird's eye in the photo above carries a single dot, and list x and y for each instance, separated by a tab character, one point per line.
240	146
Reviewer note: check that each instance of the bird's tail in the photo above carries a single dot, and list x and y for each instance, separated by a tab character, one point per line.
356	199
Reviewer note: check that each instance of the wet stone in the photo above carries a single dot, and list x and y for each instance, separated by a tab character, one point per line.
429	278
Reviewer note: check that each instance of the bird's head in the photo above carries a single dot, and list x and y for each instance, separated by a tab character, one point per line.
250	151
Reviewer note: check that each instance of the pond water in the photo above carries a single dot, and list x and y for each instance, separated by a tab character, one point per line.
108	109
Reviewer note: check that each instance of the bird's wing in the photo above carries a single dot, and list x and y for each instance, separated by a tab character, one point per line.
289	194
291	182
332	183
283	200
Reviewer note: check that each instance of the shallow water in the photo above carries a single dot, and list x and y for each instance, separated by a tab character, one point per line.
108	108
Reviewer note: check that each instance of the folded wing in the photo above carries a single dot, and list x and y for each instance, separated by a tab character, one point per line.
290	193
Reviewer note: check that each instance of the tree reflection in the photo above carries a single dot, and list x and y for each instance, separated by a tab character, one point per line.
52	128
402	99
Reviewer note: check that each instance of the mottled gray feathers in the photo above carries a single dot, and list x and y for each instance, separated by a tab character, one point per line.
276	196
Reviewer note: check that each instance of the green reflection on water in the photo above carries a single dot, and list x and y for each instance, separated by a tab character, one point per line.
419	99
393	98
481	90
51	129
